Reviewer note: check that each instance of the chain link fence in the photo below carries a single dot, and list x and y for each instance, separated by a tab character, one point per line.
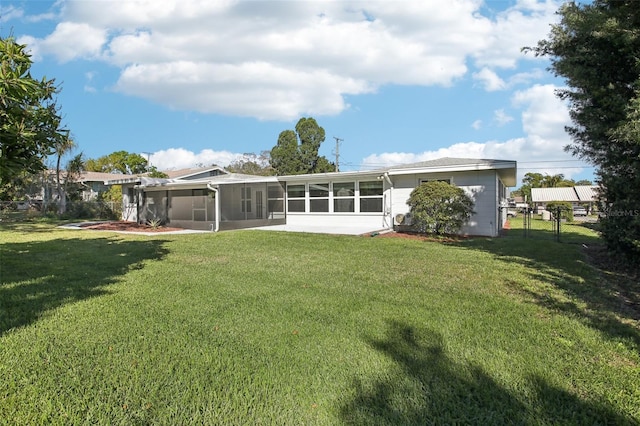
31	209
554	225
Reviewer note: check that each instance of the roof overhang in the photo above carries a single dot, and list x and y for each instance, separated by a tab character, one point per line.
331	176
506	170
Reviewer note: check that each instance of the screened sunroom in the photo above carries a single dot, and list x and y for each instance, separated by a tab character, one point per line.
221	203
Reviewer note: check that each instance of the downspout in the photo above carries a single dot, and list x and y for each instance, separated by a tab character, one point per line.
389	213
138	195
217	204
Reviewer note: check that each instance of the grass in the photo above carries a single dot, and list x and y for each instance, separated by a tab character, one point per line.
254	327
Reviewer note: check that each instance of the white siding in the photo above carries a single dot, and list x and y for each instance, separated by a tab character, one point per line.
372	222
480	185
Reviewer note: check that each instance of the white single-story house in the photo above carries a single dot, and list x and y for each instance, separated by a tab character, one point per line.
211	199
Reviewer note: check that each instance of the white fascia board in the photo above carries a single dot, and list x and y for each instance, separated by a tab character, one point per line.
253	179
456	168
509	180
332	176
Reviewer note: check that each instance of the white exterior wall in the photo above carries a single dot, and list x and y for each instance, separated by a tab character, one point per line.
480	185
372	221
129	207
369	221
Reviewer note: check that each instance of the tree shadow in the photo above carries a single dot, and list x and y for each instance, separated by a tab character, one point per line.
580	288
429	387
39	276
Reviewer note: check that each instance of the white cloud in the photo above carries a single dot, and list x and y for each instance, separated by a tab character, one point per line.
519	26
252	89
501	118
10	12
180	158
69	41
492	82
541	149
477	124
489	80
278	60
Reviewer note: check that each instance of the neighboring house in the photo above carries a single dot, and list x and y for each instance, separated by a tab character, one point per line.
89	185
93	184
369	200
576	195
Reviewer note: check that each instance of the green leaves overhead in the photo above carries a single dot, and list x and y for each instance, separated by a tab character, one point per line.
30	125
595	47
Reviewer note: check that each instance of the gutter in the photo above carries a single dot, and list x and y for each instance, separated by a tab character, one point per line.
215	191
389	213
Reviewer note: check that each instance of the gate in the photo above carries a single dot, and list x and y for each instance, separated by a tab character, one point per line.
549	229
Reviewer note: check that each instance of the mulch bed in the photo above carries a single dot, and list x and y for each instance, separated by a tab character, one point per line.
419	237
127	227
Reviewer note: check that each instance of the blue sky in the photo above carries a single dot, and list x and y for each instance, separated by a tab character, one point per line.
190	82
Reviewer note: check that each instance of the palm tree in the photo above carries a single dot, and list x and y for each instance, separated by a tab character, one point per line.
64	144
552	181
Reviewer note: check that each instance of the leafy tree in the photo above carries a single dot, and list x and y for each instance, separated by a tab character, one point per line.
538	180
552	181
530	180
153	172
565	207
62	146
72	187
296	152
30	125
595	48
118	162
252	164
439	208
584	182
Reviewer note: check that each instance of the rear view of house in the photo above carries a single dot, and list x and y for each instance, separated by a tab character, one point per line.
364	201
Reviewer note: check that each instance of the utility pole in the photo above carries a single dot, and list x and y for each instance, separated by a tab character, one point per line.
338	140
148	159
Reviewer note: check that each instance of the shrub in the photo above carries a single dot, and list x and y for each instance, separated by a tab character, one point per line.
439	208
566	209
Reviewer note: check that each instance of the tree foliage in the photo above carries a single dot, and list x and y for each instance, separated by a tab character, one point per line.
252	164
565	207
538	180
118	162
439	208
595	48
296	152
30	125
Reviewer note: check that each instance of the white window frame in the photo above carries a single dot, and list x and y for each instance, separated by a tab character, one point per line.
303	198
370	197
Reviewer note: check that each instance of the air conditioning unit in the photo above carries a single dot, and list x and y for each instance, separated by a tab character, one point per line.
403	219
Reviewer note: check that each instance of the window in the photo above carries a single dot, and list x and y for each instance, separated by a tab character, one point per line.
275	201
344	197
245	199
371	196
295	198
319	197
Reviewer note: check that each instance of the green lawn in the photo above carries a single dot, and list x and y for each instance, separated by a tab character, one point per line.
252	327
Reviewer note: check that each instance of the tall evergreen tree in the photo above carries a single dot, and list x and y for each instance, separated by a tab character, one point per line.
596	48
296	152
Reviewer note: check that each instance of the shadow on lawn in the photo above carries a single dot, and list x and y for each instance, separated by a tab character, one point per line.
431	388
605	300
38	276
